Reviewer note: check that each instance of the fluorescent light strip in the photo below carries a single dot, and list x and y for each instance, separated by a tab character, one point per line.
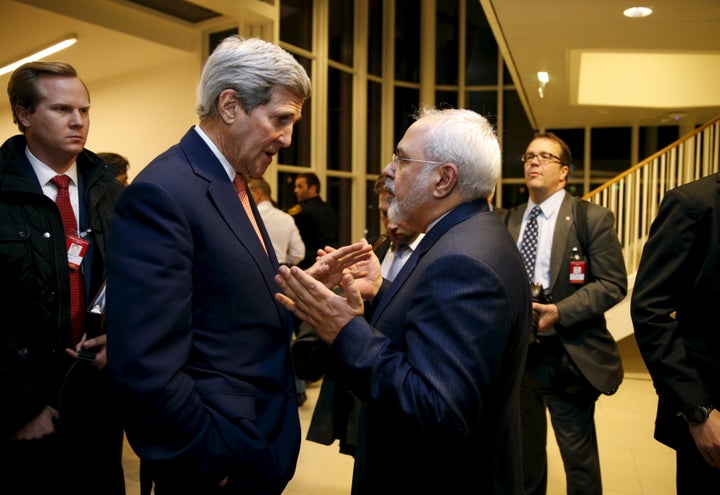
40	54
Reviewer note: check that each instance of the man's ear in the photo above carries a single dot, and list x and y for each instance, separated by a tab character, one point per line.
228	106
566	170
446	180
22	115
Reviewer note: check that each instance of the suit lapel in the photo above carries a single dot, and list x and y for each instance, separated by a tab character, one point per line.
560	239
456	216
224	197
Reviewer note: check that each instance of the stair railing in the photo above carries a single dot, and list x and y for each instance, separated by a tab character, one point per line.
635	195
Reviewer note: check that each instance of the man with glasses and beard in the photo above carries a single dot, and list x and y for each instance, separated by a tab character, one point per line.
436	356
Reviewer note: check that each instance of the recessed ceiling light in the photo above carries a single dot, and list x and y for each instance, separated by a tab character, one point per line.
638	12
544	78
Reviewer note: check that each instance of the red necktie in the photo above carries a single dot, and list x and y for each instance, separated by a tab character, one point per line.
77	297
241	189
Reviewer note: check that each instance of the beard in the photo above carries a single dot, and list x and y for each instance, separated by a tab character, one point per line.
400	212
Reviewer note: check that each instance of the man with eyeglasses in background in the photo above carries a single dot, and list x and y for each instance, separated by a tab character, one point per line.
573	253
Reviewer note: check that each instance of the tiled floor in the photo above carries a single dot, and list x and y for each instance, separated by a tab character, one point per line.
633	463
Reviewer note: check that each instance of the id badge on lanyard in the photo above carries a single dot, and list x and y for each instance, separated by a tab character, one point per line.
77	246
578	268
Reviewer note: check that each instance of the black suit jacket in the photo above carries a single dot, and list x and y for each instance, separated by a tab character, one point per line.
675	304
317	222
583	330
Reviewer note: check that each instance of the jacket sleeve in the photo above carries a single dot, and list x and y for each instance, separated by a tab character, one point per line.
666	276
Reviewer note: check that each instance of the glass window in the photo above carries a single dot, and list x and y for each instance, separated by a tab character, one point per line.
610	150
481	48
340	31
446	99
446	44
339	195
513	195
575	139
298	153
340	98
296	23
374	128
372	215
406	105
516	134
507	78
286	190
485	103
375	48
655	138
407	41
214	39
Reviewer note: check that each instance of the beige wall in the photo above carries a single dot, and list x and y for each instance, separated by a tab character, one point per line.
137	115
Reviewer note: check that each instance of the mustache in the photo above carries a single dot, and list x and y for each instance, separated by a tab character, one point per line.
390	187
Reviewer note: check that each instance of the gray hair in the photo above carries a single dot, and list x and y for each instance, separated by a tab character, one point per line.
252	67
468	140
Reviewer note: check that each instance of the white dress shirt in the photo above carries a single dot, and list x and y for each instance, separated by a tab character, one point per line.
546	230
387	261
283	232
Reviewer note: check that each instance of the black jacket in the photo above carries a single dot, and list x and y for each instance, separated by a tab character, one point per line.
35	287
318	225
674	305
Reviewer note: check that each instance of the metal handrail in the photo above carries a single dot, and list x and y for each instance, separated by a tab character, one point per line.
635	195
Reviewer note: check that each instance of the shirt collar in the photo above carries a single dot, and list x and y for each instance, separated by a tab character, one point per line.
412	244
549	206
229	170
44	173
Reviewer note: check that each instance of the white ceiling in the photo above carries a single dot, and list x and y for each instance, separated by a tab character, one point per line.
114	36
605	69
609	70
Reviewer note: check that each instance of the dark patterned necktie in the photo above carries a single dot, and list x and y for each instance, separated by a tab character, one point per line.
77	296
528	246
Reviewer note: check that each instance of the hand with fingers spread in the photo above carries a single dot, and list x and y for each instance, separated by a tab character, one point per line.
323	309
357	260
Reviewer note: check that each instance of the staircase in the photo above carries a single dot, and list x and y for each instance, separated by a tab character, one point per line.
635	195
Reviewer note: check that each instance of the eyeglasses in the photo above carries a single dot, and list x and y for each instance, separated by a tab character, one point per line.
397	159
543	158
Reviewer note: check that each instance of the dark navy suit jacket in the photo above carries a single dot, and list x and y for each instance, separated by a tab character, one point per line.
197	344
439	364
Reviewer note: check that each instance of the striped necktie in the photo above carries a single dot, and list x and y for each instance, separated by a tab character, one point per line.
241	188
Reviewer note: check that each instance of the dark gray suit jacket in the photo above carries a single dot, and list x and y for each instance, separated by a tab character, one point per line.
583	330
